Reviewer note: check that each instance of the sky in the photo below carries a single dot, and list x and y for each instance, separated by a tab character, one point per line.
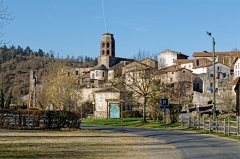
75	27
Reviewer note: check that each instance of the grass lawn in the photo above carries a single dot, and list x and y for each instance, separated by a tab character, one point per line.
128	122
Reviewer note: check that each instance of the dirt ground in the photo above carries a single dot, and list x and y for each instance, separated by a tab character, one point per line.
86	144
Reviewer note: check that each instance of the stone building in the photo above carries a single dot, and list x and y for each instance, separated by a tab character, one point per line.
108	64
167	58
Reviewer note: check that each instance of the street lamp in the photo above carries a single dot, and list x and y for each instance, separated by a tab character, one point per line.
214	79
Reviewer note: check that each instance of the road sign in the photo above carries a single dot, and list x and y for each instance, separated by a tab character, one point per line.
164	105
164	102
165	110
197	104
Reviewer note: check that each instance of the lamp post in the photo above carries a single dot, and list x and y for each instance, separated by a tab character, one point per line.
214	79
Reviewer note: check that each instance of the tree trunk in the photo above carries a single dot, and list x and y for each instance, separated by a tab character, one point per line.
144	109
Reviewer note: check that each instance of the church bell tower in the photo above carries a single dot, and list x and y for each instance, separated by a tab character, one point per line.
107	45
107	50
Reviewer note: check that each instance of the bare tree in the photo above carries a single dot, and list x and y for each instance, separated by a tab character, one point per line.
145	54
60	88
140	79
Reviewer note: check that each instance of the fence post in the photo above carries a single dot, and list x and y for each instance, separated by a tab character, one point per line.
198	122
203	123
224	120
182	121
216	125
194	122
228	126
237	127
189	122
209	124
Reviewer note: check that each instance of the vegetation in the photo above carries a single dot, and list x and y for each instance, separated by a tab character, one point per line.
128	122
17	62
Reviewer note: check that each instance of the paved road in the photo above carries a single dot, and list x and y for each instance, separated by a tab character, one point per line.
190	145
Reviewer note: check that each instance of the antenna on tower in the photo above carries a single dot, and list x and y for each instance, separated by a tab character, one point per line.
104	18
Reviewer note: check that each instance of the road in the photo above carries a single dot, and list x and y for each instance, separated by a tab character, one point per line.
191	145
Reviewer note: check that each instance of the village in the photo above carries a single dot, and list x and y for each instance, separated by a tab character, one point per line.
190	82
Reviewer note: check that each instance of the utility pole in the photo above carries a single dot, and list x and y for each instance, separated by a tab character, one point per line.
214	76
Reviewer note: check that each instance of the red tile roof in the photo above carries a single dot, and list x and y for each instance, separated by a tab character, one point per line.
236	81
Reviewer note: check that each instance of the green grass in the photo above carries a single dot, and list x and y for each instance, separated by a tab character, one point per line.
205	131
128	122
137	123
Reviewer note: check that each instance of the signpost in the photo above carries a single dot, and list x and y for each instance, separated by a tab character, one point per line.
164	105
197	106
114	110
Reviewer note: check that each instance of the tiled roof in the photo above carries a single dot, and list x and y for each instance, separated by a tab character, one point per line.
206	64
236	81
209	54
182	61
235	60
101	67
138	69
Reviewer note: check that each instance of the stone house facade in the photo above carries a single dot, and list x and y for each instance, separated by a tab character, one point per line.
100	97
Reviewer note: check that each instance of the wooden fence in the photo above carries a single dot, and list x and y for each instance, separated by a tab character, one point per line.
224	126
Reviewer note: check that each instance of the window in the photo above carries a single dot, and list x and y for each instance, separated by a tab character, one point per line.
210	75
96	73
102	74
219	68
107	45
170	79
183	71
172	72
211	84
103	45
103	52
107	52
197	62
76	72
224	75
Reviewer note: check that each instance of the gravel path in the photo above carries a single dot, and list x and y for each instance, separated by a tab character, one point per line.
87	144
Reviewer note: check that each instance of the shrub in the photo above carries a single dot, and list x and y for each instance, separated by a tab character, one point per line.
132	113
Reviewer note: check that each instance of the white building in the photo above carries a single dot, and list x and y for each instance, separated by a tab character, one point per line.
167	58
236	67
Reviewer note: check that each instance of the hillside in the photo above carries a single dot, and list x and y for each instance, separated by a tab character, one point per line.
16	64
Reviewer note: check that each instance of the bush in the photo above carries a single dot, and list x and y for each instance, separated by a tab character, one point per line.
132	113
175	110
